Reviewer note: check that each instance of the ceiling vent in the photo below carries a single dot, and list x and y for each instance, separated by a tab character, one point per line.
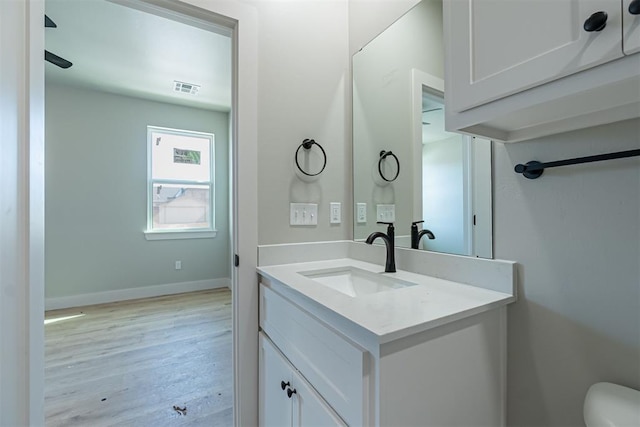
183	87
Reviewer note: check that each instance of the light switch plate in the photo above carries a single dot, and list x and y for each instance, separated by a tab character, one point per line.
361	213
335	213
386	213
303	214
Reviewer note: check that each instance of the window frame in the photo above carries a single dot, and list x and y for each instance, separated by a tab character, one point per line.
180	233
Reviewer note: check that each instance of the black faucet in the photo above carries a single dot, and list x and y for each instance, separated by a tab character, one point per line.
416	236
389	241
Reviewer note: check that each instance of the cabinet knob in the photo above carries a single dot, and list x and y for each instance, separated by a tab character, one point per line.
283	385
291	392
634	7
596	22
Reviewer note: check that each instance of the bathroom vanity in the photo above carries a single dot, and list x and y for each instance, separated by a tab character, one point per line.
342	343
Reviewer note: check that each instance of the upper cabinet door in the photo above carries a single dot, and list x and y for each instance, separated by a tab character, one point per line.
500	47
630	26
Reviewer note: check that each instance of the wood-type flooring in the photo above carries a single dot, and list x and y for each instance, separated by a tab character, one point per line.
130	363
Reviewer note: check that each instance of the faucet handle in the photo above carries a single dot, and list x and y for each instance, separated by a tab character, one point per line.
417	222
390	227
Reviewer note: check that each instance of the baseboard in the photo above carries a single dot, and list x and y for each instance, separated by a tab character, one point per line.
134	293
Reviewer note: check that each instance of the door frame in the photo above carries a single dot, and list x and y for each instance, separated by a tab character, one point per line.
22	140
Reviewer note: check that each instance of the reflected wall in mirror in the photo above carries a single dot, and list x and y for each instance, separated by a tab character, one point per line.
444	179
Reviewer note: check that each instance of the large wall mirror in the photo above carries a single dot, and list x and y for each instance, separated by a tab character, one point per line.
407	168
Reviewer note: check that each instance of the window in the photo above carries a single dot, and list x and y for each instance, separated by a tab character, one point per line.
180	184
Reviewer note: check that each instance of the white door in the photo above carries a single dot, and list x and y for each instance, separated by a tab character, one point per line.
630	26
309	409
275	379
500	47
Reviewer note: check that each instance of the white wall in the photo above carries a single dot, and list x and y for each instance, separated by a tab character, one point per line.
96	195
575	233
303	79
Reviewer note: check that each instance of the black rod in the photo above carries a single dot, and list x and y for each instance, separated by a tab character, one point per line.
534	169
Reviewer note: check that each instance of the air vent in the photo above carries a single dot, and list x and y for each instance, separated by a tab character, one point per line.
183	87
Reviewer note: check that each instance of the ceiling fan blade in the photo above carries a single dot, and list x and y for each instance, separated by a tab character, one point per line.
48	23
56	60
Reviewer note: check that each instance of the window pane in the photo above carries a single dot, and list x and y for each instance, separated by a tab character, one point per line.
181	206
180	157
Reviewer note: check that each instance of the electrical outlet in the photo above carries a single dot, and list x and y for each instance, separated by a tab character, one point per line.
178	265
335	214
361	213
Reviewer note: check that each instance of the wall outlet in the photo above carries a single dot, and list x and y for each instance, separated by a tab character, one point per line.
361	213
386	213
303	214
178	265
335	213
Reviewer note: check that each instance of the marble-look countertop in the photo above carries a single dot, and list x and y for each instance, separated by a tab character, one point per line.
392	314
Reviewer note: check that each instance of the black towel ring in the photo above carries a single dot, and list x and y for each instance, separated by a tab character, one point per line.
383	155
307	144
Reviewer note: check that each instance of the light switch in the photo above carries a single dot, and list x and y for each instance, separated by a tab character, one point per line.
361	213
386	213
335	213
303	214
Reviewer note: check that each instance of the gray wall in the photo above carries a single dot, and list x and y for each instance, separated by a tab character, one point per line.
304	79
575	233
96	195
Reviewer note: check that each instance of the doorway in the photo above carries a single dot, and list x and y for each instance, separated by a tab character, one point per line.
22	311
98	154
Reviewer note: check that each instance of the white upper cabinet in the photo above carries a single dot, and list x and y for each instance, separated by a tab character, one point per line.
631	26
513	45
518	69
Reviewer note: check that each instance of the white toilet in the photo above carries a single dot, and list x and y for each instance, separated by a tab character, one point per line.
611	405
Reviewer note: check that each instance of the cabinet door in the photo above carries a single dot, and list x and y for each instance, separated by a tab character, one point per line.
499	47
275	406
309	409
630	27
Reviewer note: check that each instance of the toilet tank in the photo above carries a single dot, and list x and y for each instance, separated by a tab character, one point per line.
611	405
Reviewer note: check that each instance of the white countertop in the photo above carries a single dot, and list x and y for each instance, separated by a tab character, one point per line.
396	313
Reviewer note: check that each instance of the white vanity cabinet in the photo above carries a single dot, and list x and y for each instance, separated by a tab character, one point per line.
286	399
450	375
520	69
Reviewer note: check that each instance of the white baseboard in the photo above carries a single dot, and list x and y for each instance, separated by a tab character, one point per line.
134	293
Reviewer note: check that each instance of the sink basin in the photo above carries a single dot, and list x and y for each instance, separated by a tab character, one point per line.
355	282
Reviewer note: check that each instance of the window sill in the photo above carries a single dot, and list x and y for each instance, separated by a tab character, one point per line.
181	234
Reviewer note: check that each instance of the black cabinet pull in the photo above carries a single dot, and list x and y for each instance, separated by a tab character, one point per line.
283	385
291	392
596	22
634	7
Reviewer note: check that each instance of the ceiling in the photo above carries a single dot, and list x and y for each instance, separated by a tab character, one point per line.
122	50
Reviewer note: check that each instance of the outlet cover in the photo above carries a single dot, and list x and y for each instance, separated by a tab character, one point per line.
361	213
335	213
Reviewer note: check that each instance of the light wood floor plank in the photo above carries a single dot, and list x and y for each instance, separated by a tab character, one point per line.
129	363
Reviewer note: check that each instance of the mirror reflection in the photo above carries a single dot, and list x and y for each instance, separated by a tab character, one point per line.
434	185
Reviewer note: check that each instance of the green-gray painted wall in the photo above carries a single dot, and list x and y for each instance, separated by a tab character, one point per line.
96	195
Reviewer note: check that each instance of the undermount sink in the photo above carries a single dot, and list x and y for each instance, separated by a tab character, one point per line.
355	282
